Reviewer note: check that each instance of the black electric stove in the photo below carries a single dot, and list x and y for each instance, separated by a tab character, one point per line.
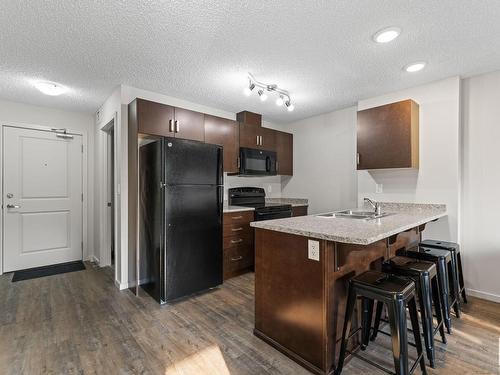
256	198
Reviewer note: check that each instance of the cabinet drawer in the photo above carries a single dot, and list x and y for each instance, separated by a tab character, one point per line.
237	259
238	217
243	239
243	229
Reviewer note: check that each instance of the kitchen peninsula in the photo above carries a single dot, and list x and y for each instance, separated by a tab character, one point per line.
303	264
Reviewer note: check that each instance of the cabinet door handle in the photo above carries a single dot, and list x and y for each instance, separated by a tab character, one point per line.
257	141
236	229
237	258
357	158
170	126
239	240
177	126
13	206
261	140
237	217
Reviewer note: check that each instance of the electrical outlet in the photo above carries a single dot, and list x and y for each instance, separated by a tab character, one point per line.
313	250
379	188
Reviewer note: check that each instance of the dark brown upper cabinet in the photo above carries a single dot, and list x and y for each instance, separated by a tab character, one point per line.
284	153
164	120
252	136
153	118
189	124
388	136
249	118
224	132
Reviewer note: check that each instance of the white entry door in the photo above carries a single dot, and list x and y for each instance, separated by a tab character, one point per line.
42	198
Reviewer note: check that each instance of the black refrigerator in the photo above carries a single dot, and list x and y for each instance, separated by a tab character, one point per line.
180	217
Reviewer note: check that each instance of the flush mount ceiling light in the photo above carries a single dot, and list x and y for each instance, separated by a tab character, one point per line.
50	88
415	67
387	35
283	95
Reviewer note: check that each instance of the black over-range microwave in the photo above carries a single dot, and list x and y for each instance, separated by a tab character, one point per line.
255	162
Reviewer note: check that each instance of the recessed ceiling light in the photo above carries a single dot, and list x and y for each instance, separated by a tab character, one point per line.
50	88
386	35
415	67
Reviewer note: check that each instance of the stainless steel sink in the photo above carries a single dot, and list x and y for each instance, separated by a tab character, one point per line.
352	214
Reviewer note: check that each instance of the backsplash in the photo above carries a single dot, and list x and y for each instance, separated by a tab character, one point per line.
271	184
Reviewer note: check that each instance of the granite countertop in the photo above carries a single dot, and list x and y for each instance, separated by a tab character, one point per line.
295	202
403	216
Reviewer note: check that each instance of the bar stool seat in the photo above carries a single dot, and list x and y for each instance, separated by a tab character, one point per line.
424	274
454	248
397	294
442	258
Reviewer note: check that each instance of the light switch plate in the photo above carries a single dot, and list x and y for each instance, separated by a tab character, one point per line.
313	250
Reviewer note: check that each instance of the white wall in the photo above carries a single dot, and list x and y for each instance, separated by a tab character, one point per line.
438	178
25	114
480	238
324	149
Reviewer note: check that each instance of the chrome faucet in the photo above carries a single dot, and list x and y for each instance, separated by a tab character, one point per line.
376	206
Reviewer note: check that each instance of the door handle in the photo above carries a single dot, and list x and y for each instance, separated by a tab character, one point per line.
170	126
237	241
177	126
236	259
236	229
13	206
261	141
257	141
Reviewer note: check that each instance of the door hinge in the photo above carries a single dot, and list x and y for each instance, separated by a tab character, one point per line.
82	197
82	149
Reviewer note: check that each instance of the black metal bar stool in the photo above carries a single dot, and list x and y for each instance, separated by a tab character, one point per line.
424	274
397	294
454	248
441	258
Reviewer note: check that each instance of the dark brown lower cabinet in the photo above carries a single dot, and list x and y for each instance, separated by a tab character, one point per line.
299	211
238	243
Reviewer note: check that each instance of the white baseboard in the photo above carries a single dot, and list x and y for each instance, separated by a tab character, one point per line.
483	295
92	258
121	286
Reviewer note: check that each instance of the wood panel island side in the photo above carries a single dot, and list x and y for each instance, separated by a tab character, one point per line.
300	302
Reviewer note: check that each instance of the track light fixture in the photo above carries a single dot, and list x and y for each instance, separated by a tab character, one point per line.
283	95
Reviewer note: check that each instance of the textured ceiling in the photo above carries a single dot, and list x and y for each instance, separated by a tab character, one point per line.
321	51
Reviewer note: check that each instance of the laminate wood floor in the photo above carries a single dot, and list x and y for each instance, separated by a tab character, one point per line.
79	323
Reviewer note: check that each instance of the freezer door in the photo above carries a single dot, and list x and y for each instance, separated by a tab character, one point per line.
193	239
192	163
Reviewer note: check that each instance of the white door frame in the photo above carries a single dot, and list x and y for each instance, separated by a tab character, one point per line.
85	254
105	243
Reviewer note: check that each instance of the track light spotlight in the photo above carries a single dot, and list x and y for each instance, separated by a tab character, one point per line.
249	88
263	95
289	106
280	101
